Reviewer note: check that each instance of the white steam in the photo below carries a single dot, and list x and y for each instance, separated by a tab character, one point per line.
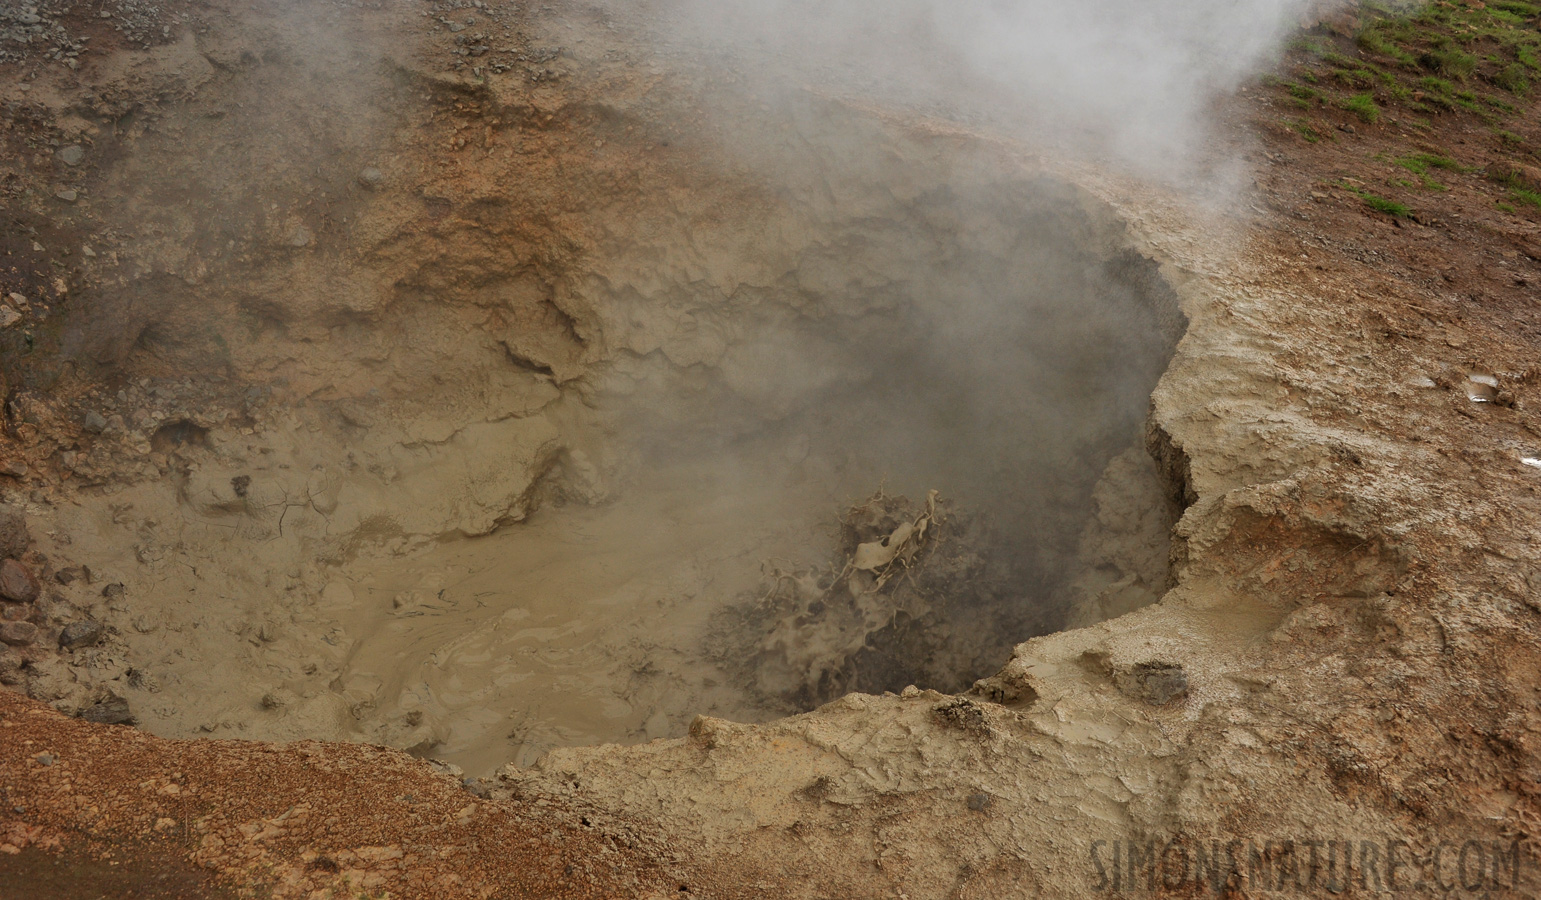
1129	77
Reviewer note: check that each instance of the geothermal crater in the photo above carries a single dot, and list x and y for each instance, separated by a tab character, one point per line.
763	459
434	481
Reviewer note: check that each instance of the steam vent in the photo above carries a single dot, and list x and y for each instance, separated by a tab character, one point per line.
770	449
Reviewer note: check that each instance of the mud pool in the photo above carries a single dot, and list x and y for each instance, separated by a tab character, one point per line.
528	498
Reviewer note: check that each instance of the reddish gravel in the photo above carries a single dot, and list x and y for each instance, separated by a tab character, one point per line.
146	817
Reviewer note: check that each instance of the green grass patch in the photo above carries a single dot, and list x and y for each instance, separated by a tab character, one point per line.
1346	62
1305	130
1424	58
1377	203
1514	78
1373	40
1363	106
1303	96
1528	197
1421	163
1506	207
1517	8
1309	45
1437	85
1361	78
1452	62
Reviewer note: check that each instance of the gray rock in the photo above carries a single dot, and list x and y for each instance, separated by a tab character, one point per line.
17	583
73	155
93	422
13	532
68	196
10	667
45	759
370	177
15	612
18	634
13	468
80	634
112	711
1156	683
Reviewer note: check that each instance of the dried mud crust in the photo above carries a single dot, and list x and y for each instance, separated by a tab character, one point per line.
1349	649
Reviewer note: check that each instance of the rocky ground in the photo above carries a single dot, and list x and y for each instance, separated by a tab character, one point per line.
1342	676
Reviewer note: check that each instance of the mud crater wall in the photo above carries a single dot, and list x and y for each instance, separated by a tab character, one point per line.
412	351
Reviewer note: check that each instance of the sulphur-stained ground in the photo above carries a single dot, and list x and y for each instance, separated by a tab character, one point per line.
1337	696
